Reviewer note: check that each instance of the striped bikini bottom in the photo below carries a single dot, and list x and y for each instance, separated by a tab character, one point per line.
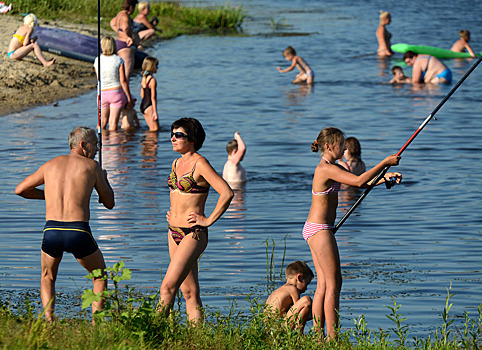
311	228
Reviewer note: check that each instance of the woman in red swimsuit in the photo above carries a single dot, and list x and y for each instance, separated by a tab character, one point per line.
318	229
189	182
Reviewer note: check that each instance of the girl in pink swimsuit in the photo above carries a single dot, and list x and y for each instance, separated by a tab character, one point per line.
321	218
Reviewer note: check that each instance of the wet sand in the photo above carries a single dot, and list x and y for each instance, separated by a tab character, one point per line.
27	83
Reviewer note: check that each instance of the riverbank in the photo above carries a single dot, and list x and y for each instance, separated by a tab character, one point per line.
25	84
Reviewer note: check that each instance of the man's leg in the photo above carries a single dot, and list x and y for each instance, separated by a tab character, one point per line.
50	267
93	262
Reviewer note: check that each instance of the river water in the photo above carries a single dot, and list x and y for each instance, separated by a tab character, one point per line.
410	243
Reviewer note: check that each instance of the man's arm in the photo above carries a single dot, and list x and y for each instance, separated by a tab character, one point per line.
103	188
238	157
28	187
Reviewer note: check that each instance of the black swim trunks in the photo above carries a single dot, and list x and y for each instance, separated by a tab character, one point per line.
73	237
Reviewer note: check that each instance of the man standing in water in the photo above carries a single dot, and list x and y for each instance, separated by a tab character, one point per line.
69	181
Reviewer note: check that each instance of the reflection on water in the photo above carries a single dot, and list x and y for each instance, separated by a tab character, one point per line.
395	245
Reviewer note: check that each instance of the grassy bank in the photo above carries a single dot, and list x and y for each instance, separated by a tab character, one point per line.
174	18
129	321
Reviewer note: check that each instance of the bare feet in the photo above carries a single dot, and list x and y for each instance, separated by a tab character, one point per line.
49	63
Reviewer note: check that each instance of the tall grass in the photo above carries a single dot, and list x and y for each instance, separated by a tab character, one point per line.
134	324
192	19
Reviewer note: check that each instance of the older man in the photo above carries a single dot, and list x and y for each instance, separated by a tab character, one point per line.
69	181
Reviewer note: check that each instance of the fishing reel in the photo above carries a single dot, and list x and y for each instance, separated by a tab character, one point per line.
389	183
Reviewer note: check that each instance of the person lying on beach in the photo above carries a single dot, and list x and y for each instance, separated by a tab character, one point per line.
233	171
306	73
286	301
463	43
144	27
427	69
69	181
399	76
22	42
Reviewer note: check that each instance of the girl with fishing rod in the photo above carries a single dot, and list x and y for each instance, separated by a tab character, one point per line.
318	229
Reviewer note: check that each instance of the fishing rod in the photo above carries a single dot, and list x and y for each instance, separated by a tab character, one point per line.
391	182
99	129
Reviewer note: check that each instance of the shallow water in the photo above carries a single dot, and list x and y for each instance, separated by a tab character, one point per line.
409	243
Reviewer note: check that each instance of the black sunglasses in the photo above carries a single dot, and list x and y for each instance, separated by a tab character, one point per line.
178	135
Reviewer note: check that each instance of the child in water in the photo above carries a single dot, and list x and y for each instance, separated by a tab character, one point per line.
286	301
318	228
399	76
233	171
463	43
353	163
306	73
22	42
149	93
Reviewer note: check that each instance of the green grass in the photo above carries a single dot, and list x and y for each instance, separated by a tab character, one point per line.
174	18
130	321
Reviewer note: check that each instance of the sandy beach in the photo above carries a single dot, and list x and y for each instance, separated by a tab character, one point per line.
26	83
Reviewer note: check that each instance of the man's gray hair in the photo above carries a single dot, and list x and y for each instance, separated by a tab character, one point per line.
82	133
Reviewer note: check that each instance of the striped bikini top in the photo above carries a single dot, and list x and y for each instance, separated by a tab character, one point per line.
185	183
333	189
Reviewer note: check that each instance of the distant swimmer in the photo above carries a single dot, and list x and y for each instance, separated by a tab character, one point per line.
233	171
427	69
149	92
463	43
23	42
69	181
383	35
318	228
306	73
353	162
399	76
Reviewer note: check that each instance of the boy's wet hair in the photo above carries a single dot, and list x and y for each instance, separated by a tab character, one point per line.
395	68
289	51
232	146
299	267
464	34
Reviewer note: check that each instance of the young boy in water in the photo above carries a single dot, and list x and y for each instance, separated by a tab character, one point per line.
233	171
286	302
463	43
399	76
306	73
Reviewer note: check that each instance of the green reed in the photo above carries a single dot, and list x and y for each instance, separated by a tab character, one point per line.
270	257
174	18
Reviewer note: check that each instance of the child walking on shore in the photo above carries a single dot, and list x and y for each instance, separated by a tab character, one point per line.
22	42
149	93
286	301
306	74
318	229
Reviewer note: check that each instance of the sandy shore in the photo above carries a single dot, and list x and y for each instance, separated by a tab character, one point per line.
26	83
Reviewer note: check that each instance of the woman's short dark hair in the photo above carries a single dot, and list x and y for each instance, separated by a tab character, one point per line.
128	3
194	130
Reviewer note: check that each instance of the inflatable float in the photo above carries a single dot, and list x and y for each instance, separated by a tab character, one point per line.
73	45
430	50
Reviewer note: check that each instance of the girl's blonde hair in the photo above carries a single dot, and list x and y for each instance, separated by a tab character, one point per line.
384	14
30	20
109	47
327	135
142	5
148	65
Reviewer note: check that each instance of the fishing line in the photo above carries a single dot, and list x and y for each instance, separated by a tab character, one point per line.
99	130
420	128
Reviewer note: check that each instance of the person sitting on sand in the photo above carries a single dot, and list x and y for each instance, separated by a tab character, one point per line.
383	35
145	29
23	42
399	76
306	73
233	171
463	43
286	302
427	69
